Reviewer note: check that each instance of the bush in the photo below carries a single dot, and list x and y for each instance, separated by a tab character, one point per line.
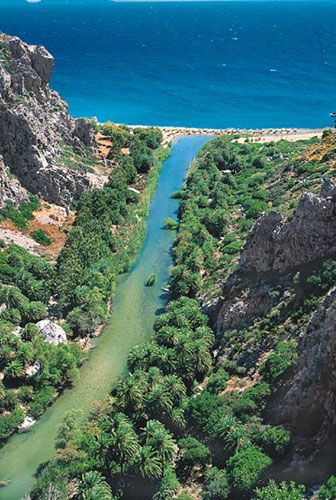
280	360
9	423
192	453
42	400
40	236
282	491
217	381
245	468
170	224
275	440
216	485
328	489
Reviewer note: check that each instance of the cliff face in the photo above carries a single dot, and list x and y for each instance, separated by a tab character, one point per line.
274	248
278	245
10	189
36	129
277	250
309	404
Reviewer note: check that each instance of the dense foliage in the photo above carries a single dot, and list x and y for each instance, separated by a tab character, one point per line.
181	422
108	228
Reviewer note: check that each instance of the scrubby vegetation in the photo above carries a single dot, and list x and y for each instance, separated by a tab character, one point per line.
108	229
176	424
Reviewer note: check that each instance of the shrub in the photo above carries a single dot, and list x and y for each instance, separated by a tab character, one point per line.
170	224
216	485
217	381
193	452
275	440
328	489
282	491
280	360
41	237
245	468
42	400
9	423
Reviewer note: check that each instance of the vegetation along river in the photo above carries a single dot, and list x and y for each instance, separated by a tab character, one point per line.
133	314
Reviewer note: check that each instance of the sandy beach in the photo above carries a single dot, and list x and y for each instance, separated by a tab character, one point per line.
254	135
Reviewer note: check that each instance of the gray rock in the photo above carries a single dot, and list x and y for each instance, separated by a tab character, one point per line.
52	333
35	126
309	402
276	244
10	188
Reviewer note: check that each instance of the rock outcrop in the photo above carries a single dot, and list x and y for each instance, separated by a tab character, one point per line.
309	405
52	333
10	188
277	244
275	248
35	126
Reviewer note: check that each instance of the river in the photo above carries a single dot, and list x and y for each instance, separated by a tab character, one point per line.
133	314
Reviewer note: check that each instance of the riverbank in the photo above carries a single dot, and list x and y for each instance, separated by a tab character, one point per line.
254	135
132	317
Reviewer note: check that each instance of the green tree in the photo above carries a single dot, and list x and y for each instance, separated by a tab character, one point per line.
94	487
216	486
328	489
282	491
245	468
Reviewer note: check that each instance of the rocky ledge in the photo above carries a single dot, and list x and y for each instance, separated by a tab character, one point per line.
274	248
36	129
277	244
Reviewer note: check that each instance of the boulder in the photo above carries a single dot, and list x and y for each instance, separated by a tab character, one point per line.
27	424
52	333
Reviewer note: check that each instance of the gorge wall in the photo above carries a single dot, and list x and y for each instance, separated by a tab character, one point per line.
40	143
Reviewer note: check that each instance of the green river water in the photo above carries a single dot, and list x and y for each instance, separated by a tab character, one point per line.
133	314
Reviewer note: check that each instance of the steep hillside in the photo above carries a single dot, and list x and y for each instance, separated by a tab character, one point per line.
49	152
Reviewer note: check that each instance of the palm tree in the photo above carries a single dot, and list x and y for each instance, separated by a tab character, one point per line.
159	401
12	297
205	334
14	369
94	487
131	389
124	445
150	463
233	433
160	440
175	387
202	357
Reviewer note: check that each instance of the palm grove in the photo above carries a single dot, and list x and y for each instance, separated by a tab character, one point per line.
76	289
172	427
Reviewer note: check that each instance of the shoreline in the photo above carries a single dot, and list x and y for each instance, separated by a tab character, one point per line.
255	135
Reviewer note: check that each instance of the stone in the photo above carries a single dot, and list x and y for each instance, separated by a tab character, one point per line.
276	244
52	333
35	127
32	370
17	331
27	424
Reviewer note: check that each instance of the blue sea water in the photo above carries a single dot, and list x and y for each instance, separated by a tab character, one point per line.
201	64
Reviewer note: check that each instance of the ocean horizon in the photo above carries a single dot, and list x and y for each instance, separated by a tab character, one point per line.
249	64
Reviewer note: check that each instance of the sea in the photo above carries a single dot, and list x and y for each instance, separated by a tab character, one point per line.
221	64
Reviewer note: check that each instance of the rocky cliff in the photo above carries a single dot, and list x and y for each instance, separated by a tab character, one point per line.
267	288
277	244
40	143
309	403
275	248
